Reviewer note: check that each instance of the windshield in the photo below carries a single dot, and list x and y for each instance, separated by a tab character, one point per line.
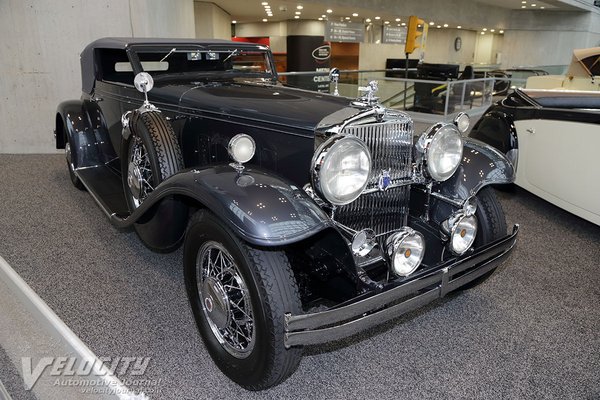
178	62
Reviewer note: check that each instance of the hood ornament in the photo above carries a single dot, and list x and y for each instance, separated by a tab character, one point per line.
367	95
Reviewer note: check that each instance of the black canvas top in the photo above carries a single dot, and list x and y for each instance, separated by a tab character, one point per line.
88	64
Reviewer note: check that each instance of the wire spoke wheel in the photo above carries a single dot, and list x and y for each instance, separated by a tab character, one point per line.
225	299
139	171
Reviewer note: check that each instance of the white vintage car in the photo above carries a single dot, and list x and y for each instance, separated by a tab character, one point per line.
583	73
552	137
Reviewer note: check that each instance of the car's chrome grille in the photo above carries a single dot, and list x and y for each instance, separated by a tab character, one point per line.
390	143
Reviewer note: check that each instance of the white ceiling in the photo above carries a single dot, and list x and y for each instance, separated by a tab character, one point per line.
254	11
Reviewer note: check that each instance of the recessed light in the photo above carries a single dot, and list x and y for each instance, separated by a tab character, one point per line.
265	20
483	33
320	18
347	18
523	2
234	22
445	25
523	6
368	20
542	7
296	16
299	7
329	11
439	26
432	23
501	31
484	29
459	27
398	20
534	5
264	3
267	7
298	13
378	18
355	14
492	30
323	16
403	24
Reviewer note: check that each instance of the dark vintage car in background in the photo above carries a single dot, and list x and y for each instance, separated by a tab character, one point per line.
305	217
552	139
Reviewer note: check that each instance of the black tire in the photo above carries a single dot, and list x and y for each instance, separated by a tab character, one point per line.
272	291
491	225
69	157
162	228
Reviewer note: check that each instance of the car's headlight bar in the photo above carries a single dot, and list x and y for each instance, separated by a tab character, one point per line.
341	169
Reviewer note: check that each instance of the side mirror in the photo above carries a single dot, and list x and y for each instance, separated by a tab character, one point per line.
143	82
334	76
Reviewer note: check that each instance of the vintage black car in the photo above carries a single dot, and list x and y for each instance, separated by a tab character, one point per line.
305	217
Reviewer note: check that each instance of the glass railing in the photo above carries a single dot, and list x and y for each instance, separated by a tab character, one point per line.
428	100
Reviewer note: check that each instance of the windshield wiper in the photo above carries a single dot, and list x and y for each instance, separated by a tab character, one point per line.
168	54
233	53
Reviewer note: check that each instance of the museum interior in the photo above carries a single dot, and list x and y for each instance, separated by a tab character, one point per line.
290	199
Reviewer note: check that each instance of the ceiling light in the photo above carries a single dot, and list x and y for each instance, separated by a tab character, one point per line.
524	2
501	31
296	16
397	19
459	27
347	18
265	20
329	11
483	33
264	3
533	5
492	30
439	26
368	20
298	13
542	7
445	25
387	22
323	16
299	7
378	18
432	23
523	6
234	22
320	18
355	14
403	24
484	29
267	7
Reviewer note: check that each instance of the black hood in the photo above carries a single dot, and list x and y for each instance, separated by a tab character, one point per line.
275	104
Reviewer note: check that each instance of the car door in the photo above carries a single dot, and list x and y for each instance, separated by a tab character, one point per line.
558	161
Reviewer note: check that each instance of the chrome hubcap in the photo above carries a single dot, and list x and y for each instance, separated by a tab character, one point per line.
225	299
139	172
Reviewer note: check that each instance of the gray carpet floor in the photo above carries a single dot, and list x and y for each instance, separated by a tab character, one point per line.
531	331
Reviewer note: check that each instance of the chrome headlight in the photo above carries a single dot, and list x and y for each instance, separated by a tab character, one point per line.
341	168
442	149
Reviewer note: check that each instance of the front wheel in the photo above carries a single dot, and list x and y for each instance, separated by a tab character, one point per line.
491	226
239	296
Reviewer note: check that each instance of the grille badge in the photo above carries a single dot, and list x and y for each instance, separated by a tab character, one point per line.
384	180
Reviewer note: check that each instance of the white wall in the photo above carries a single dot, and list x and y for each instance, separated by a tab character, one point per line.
440	46
212	22
39	55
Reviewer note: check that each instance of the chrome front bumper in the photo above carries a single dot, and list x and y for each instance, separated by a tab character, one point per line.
344	321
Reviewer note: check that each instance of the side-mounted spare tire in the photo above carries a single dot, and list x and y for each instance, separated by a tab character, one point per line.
150	153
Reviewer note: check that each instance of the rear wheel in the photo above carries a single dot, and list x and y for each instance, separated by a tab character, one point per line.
239	295
491	226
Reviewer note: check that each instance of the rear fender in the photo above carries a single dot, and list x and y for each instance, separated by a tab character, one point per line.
83	124
482	165
263	209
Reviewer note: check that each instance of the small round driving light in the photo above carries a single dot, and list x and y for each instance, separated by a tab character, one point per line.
463	233
405	250
462	122
363	242
241	148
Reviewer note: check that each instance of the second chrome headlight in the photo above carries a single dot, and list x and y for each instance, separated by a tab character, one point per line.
442	149
341	169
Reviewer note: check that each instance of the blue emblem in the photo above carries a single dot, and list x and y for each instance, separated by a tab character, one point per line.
384	180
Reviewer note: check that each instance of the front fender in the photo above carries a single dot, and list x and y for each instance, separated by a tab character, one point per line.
263	209
482	165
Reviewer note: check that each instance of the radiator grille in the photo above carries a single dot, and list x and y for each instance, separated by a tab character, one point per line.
390	143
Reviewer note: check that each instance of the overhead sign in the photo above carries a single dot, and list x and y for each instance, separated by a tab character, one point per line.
344	31
392	34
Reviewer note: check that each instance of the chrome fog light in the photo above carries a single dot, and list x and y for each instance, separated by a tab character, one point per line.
462	234
363	242
405	250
